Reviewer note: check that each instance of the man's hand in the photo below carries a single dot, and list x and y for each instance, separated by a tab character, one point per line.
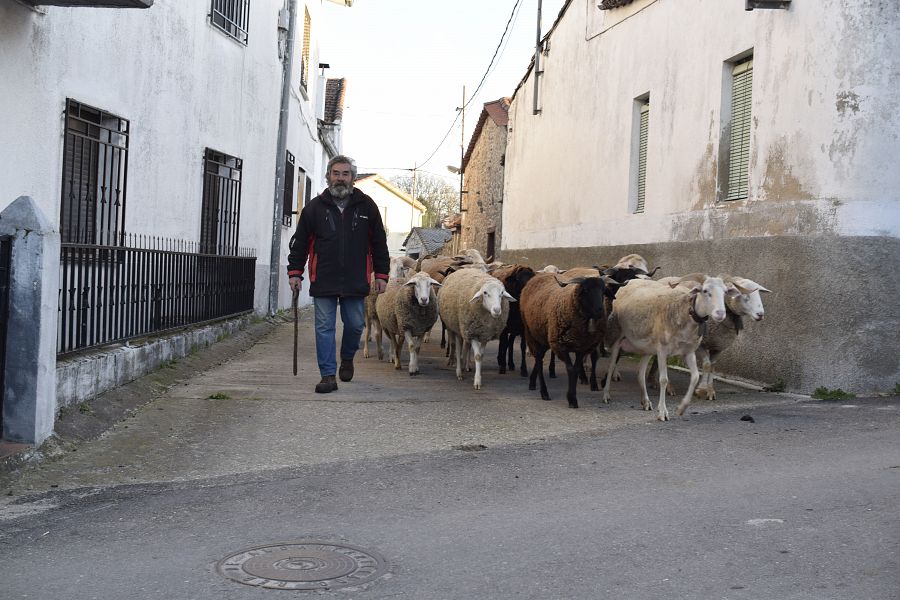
296	284
380	285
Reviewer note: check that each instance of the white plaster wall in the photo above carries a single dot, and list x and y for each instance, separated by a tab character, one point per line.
183	85
399	213
824	138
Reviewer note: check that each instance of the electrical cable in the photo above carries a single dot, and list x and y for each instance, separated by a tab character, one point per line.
478	87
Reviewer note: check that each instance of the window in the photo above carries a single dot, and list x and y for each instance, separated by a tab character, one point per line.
232	17
491	245
308	195
95	164
736	186
221	210
287	200
643	136
304	58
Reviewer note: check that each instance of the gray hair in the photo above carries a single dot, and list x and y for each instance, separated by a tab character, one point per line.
340	158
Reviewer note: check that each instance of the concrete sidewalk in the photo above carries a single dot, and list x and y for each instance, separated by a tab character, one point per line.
249	414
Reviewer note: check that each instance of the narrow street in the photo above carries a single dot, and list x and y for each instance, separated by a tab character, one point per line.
458	493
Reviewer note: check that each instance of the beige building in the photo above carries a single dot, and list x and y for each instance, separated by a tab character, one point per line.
483	180
710	138
399	211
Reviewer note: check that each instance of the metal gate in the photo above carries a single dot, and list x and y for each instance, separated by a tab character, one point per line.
5	252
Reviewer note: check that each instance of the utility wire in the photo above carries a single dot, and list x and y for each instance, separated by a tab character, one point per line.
481	83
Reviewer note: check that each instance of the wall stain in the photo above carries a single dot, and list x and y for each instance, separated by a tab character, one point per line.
847	101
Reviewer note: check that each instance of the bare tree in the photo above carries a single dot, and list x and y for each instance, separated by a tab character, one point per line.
439	197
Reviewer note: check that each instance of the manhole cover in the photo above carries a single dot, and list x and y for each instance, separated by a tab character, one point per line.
303	565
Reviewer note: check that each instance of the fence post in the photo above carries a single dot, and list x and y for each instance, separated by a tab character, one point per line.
29	384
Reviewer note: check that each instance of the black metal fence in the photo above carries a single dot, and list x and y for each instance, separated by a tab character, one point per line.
147	286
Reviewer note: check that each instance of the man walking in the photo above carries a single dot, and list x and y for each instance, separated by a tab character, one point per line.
341	234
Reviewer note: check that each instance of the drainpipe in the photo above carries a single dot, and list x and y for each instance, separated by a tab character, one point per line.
537	61
287	62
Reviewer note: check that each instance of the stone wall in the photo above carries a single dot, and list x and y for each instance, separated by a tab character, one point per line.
484	190
832	318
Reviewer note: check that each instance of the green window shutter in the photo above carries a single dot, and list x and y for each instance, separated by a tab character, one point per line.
642	157
739	144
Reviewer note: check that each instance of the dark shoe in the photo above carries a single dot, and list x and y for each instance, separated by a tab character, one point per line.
328	384
346	370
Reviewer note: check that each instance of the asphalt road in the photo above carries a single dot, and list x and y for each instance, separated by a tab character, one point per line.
799	503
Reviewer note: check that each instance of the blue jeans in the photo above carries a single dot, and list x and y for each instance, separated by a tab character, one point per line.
353	318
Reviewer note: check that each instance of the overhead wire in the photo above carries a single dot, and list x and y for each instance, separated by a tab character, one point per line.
459	111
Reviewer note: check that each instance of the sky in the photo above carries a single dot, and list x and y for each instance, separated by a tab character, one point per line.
406	62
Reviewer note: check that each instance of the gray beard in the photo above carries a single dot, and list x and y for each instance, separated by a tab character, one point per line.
340	190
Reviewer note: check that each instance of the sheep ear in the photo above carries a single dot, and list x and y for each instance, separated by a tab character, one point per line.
476	297
610	281
509	296
435	282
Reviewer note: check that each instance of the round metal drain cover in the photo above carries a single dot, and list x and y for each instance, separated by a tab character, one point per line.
303	565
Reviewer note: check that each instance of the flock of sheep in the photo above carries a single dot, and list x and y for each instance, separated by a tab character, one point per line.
574	314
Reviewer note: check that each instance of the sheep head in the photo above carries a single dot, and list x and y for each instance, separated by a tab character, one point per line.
421	284
749	302
491	294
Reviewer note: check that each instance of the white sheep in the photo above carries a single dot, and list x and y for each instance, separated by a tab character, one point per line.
653	318
400	267
720	336
474	307
407	311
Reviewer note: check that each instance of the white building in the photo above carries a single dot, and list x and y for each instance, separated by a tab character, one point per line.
709	138
159	127
399	211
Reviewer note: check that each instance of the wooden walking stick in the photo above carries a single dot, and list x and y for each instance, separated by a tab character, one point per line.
296	327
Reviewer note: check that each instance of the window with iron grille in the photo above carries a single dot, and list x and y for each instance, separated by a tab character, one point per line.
221	210
308	195
232	17
304	58
736	187
95	165
287	200
643	137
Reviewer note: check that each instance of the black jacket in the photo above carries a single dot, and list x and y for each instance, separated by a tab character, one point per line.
343	249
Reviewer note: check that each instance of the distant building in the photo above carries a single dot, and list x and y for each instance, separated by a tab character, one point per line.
483	180
399	211
426	240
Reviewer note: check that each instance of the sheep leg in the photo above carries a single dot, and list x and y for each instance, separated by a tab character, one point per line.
582	375
477	348
451	350
642	382
595	354
413	343
511	351
379	342
662	413
572	370
551	369
691	361
501	351
367	331
397	346
670	389
456	341
523	368
705	388
443	335
613	357
463	353
538	372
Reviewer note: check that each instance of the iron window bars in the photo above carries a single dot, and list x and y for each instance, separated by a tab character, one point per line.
232	17
94	174
221	211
